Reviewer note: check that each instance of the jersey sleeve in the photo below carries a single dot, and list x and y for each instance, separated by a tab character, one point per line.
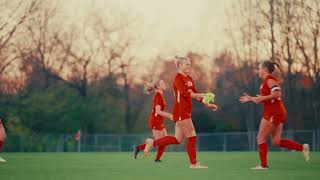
195	90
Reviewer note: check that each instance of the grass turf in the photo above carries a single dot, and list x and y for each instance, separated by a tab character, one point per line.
105	166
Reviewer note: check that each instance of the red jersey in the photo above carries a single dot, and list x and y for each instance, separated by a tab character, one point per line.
156	121
182	85
273	109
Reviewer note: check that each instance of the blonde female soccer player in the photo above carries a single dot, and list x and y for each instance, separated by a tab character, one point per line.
184	91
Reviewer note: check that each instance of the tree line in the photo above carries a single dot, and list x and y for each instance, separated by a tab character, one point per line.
59	76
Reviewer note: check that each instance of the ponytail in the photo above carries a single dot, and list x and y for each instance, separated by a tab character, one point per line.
270	66
274	63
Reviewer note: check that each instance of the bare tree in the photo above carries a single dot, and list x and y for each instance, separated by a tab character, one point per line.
126	66
39	48
12	16
306	34
104	33
80	60
286	18
248	44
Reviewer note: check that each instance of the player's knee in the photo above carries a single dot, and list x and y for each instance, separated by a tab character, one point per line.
177	141
276	142
258	139
261	140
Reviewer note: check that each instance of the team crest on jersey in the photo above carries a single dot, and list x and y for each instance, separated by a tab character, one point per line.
261	86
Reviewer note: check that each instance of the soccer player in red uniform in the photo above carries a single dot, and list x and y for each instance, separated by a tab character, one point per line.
2	139
157	116
184	91
274	115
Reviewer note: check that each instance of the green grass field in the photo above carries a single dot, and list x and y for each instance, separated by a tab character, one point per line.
105	166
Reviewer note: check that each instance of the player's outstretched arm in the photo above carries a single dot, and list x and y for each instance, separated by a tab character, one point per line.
163	113
246	98
275	93
197	95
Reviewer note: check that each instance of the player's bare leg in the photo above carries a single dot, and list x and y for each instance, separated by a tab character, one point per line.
149	144
265	130
157	135
187	128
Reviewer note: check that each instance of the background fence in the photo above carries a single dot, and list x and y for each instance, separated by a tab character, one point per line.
231	141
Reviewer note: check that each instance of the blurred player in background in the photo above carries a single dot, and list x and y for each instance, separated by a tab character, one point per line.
157	116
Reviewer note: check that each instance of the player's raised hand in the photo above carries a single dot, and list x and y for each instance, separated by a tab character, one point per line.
212	106
245	98
258	99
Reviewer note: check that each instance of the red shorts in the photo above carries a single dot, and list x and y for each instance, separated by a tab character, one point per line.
276	119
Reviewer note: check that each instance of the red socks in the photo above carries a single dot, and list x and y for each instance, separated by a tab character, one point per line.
165	141
289	144
192	149
284	143
141	147
263	151
1	145
160	151
162	142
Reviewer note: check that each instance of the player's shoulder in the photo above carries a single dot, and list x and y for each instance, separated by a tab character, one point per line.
178	77
158	95
271	77
190	78
272	80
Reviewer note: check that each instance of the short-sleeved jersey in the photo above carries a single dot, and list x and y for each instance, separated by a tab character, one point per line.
273	109
183	86
156	121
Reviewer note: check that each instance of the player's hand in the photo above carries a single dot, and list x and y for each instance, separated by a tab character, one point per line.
245	98
258	99
212	106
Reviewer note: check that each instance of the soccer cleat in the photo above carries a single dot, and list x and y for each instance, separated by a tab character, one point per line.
259	167
306	152
157	161
2	160
149	144
136	151
198	166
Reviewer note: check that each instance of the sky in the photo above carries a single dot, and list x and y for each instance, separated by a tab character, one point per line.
166	27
